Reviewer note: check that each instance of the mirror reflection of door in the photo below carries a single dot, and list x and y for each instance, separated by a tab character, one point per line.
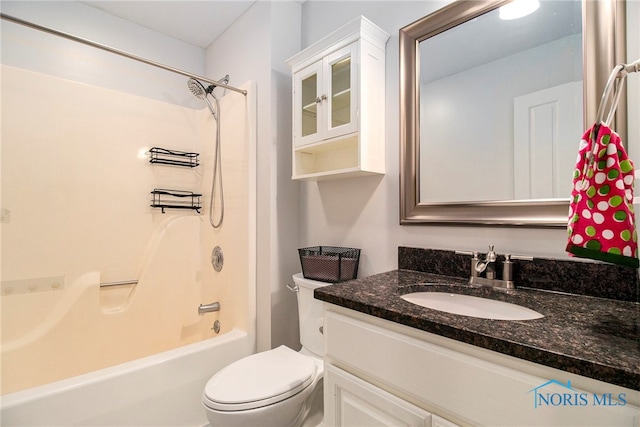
547	126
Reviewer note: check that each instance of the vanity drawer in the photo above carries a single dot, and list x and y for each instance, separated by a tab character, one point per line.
461	387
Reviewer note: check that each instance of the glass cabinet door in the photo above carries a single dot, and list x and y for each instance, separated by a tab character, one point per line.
341	91
325	98
308	104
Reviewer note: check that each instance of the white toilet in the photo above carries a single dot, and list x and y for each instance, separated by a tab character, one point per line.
279	387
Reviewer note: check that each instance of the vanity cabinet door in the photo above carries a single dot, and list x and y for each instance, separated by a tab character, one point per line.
437	421
352	402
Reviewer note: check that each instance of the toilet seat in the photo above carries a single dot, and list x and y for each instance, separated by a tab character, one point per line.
259	380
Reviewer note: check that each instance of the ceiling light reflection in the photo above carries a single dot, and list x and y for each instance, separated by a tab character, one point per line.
518	9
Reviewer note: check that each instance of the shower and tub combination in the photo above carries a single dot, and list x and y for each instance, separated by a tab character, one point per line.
112	312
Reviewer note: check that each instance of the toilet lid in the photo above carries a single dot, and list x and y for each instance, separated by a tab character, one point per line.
260	379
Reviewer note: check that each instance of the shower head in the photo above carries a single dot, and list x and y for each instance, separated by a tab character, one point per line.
198	90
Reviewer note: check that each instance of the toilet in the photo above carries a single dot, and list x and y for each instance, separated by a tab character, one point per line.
280	387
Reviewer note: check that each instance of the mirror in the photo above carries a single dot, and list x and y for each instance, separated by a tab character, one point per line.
492	139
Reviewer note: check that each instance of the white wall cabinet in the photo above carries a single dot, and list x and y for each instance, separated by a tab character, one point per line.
339	104
381	373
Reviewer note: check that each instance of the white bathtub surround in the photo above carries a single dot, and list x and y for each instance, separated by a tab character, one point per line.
80	152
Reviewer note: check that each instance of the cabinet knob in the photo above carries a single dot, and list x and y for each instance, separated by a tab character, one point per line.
321	98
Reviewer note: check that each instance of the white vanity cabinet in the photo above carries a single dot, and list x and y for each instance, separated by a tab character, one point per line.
339	103
380	373
354	402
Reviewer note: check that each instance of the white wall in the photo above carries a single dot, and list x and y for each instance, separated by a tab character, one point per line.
285	29
255	48
364	212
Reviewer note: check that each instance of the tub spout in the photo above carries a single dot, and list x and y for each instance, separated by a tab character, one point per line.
208	308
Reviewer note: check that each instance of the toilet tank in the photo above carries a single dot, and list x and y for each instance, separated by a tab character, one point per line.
310	315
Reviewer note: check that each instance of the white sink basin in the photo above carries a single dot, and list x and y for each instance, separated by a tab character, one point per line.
467	305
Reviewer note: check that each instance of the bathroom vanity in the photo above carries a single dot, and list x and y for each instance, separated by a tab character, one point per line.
391	362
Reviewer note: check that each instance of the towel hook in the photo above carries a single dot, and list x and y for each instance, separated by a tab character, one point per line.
634	67
615	83
612	84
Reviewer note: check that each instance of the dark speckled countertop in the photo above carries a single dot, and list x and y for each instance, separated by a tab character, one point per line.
589	336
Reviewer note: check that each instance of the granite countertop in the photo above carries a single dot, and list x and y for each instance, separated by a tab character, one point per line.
594	337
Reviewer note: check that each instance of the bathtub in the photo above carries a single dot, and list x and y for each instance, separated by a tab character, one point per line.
160	390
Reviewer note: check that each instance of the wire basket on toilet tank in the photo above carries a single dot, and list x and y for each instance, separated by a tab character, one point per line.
329	263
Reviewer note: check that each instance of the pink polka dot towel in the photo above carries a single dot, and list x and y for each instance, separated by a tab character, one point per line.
601	219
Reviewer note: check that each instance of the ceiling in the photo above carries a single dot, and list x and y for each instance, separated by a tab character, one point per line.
196	22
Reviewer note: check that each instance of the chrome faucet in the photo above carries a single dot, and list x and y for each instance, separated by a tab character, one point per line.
488	267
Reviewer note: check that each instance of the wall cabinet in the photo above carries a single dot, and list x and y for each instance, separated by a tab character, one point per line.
379	373
338	104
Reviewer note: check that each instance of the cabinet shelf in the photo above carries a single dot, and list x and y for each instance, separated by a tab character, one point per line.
175	199
173	157
341	102
311	108
338	158
342	94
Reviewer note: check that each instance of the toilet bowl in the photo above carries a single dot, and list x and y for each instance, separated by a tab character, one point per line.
279	387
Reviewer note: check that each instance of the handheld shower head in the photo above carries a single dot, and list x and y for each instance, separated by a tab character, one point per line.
200	92
197	89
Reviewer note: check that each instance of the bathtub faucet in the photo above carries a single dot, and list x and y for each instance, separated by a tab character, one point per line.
208	308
